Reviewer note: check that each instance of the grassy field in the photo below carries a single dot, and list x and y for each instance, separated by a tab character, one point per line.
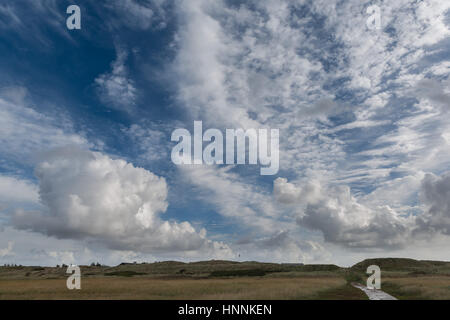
215	280
147	288
419	288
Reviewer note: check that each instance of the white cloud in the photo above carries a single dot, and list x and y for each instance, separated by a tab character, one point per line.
17	191
288	65
250	66
63	257
288	193
283	247
400	62
342	219
141	15
24	132
91	196
234	197
32	21
116	89
274	66
435	91
401	194
8	251
151	142
436	195
31	248
9	17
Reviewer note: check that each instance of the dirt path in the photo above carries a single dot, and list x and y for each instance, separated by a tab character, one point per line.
374	294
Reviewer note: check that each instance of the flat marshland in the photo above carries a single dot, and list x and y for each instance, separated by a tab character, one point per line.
216	280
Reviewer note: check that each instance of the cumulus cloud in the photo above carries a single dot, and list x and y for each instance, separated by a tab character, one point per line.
268	228
17	191
342	219
91	196
8	251
289	193
381	219
401	194
435	192
115	88
437	92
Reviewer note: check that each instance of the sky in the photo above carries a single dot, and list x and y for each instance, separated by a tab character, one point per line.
86	118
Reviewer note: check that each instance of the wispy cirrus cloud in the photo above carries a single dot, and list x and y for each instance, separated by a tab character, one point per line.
25	132
140	15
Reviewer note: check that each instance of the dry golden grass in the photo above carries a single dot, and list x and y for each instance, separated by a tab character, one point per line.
190	289
423	287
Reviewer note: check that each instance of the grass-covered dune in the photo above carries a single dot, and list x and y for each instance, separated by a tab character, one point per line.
201	269
403	264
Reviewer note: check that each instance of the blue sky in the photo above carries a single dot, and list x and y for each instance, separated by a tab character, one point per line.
86	118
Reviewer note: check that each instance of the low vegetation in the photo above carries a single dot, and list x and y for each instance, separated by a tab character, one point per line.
149	288
239	273
419	288
125	273
402	278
